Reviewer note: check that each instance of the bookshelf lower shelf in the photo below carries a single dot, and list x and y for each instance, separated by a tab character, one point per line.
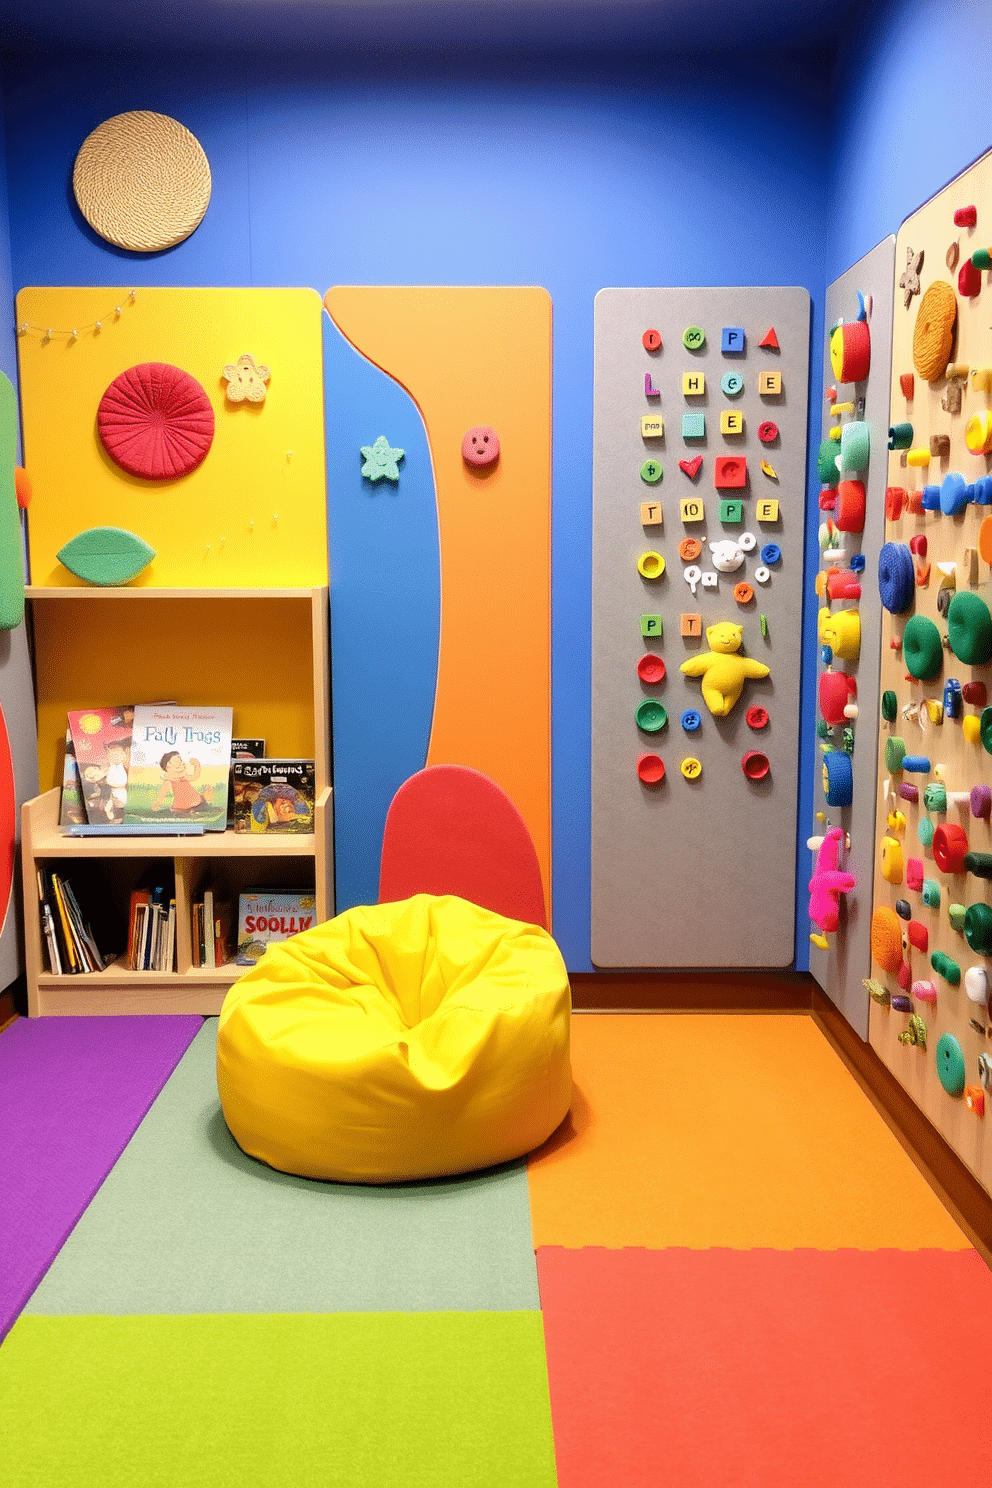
190	989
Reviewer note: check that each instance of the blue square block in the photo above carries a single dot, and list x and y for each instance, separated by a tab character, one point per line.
733	340
693	426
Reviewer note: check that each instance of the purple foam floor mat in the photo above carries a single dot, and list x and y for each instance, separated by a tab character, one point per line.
72	1093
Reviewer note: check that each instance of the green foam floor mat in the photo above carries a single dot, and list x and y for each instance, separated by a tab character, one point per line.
280	1401
186	1223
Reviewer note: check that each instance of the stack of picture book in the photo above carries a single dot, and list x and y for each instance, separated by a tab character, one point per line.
156	764
67	935
151	934
211	930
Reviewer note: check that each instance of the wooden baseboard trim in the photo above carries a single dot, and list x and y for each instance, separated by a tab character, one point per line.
955	1185
692	991
8	1009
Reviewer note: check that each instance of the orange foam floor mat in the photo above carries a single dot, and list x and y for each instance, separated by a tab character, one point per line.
764	1369
734	1130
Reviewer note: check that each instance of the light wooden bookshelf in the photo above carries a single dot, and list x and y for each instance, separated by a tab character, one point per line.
268	651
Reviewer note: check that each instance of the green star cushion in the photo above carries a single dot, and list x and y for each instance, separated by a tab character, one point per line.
381	460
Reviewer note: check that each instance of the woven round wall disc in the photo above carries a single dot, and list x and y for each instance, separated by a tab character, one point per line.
142	181
933	335
155	421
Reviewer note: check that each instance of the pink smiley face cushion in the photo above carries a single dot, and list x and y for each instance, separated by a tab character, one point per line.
480	446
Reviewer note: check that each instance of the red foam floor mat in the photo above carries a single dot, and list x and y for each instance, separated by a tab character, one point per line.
760	1368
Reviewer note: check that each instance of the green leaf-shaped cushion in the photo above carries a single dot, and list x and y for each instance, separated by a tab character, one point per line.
106	555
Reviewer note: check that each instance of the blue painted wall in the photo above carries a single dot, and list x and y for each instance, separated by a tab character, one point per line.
913	106
565	172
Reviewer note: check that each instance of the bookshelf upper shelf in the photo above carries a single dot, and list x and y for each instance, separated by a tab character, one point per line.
39	591
48	841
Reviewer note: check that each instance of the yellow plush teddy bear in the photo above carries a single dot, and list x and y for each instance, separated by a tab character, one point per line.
723	672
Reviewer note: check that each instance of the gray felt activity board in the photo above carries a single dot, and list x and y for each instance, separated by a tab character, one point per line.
699	473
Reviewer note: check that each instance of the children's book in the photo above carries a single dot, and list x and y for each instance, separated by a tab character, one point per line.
273	795
241	749
180	763
101	741
72	812
264	918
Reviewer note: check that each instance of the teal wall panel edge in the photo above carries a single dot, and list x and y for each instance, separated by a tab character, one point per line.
385	579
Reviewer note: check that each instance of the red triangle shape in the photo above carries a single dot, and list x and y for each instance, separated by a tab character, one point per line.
770	339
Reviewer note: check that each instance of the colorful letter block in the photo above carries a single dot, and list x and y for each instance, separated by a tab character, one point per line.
732	512
652	627
691	509
766	511
770	384
732	343
650	513
691	625
693	426
652	426
693	384
731	421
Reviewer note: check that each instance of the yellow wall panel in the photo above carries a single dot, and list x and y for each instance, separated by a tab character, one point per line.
254	654
254	513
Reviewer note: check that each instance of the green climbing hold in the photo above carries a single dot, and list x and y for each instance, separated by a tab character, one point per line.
978	928
890	706
924	830
945	967
969	628
895	753
826	462
950	1064
922	650
985	727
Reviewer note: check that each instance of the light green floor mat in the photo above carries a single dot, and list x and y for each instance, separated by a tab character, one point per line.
367	1400
186	1223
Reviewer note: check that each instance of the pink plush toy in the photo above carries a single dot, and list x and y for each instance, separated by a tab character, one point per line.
828	883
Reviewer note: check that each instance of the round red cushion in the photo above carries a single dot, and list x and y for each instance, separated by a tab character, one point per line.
155	421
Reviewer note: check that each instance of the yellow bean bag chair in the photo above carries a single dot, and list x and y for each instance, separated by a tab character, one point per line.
398	1041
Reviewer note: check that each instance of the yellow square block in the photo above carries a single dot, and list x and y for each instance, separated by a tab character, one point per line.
652	426
693	384
770	384
766	511
650	513
731	421
691	509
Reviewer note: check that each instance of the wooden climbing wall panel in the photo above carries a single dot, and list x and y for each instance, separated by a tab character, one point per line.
932	921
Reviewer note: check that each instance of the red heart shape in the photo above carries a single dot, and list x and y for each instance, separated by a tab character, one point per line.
692	467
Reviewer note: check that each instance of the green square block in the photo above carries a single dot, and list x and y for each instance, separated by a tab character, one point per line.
693	426
651	627
731	511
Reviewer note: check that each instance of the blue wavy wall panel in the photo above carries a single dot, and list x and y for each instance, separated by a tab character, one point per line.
385	570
